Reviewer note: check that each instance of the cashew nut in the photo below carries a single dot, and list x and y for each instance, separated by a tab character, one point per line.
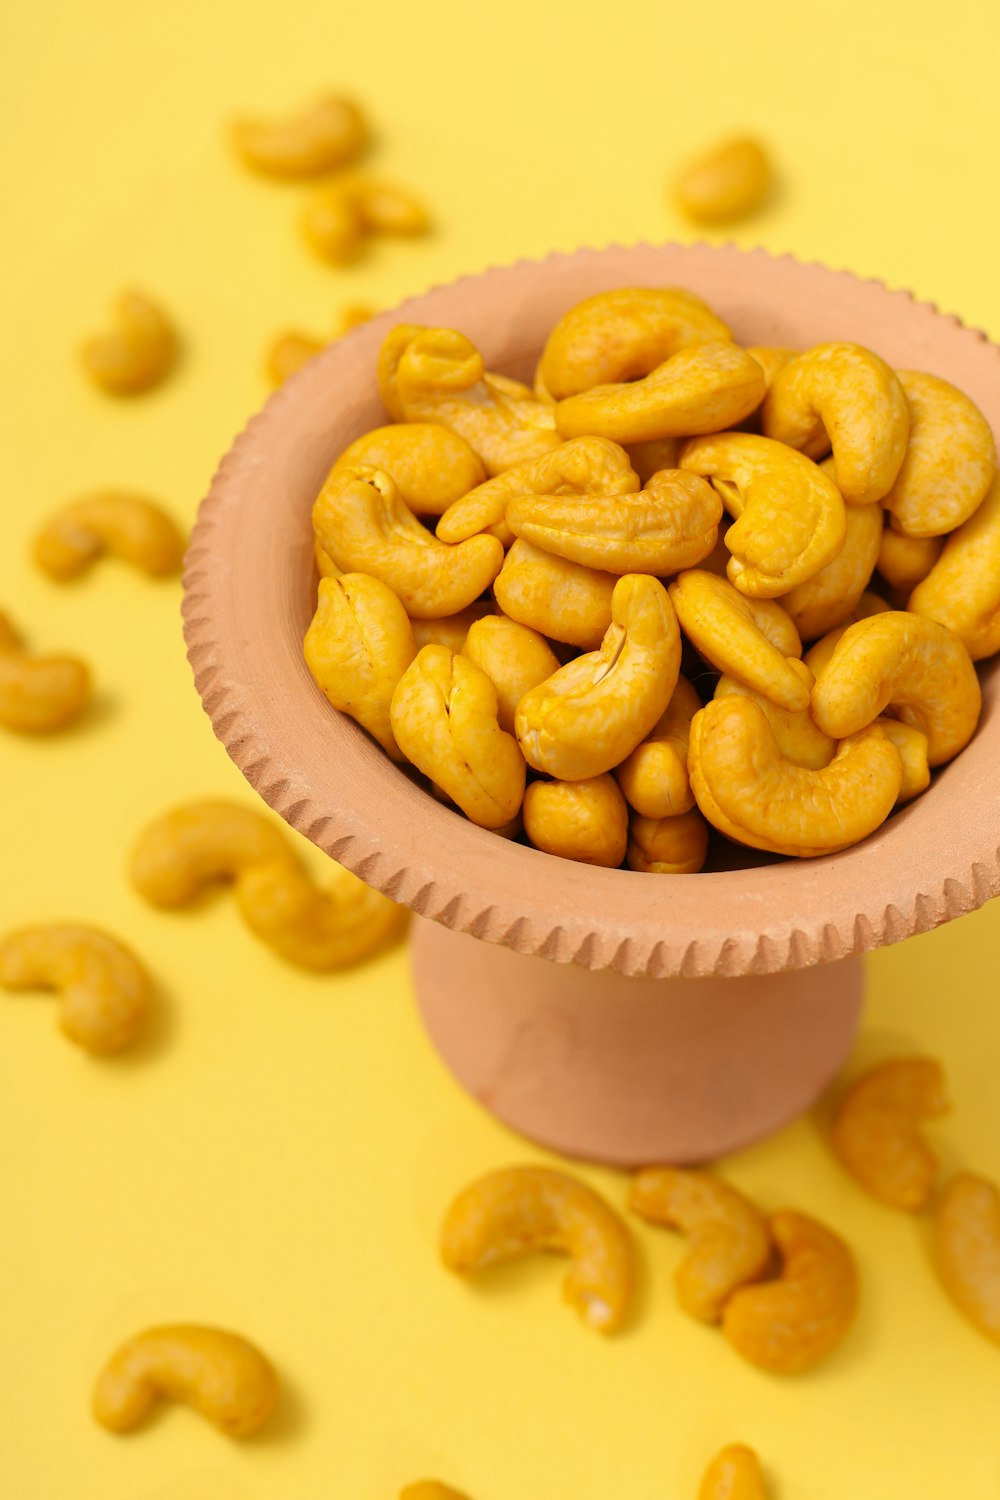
911	745
325	564
797	737
357	648
114	523
827	598
950	458
104	988
750	639
904	561
514	658
788	1325
588	716
962	590
431	466
363	525
288	352
582	820
518	1209
201	844
340	216
790	516
649	458
876	1130
222	1375
772	359
819	654
451	631
967	1249
917	666
676	845
39	694
730	1245
734	1474
727	182
324	136
654	777
444	716
559	599
138	355
843	397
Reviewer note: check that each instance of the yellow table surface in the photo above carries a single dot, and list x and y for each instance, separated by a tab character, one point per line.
276	1155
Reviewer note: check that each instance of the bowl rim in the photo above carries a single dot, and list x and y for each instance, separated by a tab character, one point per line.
763	920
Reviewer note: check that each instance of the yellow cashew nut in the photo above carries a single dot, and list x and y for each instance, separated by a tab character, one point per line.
115	523
518	1209
582	820
750	639
288	352
819	654
104	988
431	466
313	929
876	1130
730	1245
364	527
138	355
593	712
843	397
797	736
962	590
915	665
325	565
829	596
39	694
451	630
790	516
772	359
444	716
734	1474
559	599
950	458
725	183
221	1375
904	561
790	1324
326	135
911	746
340	215
967	1249
654	778
514	658
198	845
676	845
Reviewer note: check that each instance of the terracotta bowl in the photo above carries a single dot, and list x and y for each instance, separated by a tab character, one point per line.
611	1015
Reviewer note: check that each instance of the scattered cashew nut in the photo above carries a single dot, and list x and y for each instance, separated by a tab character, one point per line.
288	352
326	135
221	1375
967	1249
876	1130
139	354
340	216
104	989
113	523
725	183
734	1474
39	694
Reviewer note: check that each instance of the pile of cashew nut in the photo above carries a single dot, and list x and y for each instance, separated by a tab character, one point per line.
529	595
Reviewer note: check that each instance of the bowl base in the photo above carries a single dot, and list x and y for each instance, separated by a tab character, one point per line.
630	1071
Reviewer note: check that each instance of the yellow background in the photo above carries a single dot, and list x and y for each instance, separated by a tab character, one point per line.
277	1154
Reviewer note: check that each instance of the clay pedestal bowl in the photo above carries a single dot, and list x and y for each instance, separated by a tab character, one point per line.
614	1016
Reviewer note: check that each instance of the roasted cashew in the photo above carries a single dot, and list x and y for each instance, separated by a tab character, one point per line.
582	820
357	647
221	1375
583	466
339	216
288	352
788	1325
704	387
750	639
452	630
445	719
559	599
797	737
790	516
431	466
591	714
962	590
104	988
734	1474
752	793
314	929
517	1209
138	355
325	564
676	845
654	777
39	694
911	745
514	657
364	527
904	561
622	334
819	654
967	1249
950	458
876	1130
649	458
730	1245
827	598
917	666
326	135
201	844
843	397
113	523
727	182
437	375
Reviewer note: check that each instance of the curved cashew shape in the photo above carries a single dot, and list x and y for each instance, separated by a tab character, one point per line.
364	527
819	654
734	1474
915	665
510	1212
201	844
582	820
451	631
752	793
445	718
583	466
876	1130
357	647
967	1249
704	387
676	845
911	745
431	466
559	599
221	1375
114	523
437	375
430	1489
138	355
962	590
654	778
797	737
725	183
39	694
104	988
790	1324
593	712
950	458
339	216
326	135
829	596
843	397
790	516
514	658
730	1245
313	929
750	639
904	561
